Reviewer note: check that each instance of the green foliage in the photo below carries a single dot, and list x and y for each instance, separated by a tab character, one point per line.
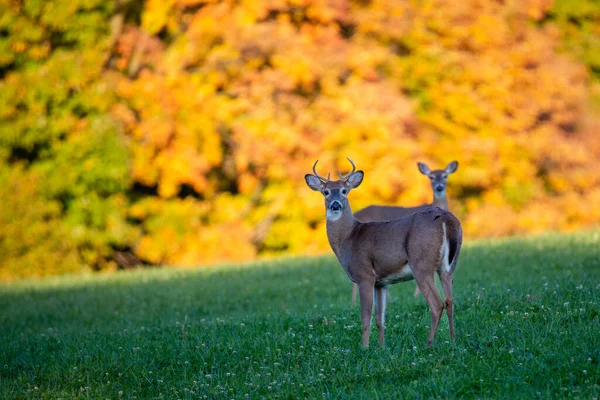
579	22
58	134
94	159
527	315
34	240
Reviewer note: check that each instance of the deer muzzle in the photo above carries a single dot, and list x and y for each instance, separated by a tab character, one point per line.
335	206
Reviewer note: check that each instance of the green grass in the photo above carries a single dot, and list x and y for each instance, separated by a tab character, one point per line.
527	317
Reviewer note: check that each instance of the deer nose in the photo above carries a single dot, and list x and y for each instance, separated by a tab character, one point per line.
439	188
335	205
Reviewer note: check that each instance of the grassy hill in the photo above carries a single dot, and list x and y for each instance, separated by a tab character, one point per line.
527	323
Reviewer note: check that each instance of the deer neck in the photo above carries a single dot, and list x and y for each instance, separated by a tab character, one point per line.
440	200
339	230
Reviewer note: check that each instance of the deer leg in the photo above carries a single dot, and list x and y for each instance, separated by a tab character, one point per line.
365	289
380	303
354	293
417	292
447	280
426	284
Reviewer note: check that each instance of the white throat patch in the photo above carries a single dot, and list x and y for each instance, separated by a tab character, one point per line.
333	215
439	195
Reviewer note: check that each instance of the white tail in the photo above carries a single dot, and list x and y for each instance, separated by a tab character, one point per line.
377	254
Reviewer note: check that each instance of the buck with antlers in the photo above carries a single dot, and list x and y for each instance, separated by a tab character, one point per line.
439	182
377	254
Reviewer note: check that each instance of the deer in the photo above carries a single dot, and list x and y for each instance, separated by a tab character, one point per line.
439	182
377	254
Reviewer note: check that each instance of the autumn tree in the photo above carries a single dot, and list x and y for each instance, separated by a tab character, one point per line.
178	132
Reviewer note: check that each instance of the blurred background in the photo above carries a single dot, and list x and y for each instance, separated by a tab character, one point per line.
178	132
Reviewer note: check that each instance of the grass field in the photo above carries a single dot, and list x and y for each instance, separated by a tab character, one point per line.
527	315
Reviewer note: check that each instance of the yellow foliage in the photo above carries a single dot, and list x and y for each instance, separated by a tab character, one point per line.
157	14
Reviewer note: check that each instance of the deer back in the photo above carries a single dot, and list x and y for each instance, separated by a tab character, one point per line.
386	213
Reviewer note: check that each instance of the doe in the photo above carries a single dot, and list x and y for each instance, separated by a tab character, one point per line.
439	182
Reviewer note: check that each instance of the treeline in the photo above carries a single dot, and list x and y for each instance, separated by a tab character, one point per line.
178	131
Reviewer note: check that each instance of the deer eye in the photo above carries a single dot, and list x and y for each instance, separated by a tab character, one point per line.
326	192
344	191
445	176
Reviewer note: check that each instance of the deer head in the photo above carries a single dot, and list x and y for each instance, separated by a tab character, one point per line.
335	192
438	177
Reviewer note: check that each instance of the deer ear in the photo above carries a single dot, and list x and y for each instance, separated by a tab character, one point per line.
313	182
355	179
423	168
450	168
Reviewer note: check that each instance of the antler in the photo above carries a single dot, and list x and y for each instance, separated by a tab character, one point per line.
319	176
344	177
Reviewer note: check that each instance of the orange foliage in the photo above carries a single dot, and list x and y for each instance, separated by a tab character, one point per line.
249	93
